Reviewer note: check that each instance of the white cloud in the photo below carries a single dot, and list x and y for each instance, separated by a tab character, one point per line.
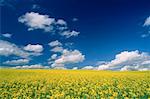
139	68
36	66
68	57
65	56
17	62
61	22
7	48
54	56
7	35
146	62
55	43
35	48
57	46
88	68
37	21
57	65
147	22
69	34
101	63
57	49
75	68
126	60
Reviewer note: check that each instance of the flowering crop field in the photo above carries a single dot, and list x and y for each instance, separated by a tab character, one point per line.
73	84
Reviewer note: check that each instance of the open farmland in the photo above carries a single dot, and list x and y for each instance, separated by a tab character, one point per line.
73	84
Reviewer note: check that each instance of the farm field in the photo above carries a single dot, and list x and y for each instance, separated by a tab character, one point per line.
73	84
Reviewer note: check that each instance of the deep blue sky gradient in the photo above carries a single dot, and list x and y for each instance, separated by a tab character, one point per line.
107	27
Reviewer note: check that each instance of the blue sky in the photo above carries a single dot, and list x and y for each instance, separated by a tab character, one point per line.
94	31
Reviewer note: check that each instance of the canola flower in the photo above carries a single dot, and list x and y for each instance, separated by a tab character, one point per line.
73	84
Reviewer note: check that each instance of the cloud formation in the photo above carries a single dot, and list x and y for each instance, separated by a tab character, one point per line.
7	48
57	49
55	43
88	68
61	22
74	68
36	66
7	35
69	34
128	60
63	56
17	62
54	56
147	22
37	21
34	48
68	57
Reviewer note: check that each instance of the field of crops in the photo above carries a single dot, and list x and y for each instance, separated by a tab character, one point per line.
73	84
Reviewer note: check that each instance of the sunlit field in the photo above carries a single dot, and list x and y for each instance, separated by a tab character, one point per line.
73	84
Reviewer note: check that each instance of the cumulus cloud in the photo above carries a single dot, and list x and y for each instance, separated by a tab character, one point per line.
57	49
57	46
17	62
37	21
7	48
88	68
55	43
61	22
69	34
146	62
147	22
7	35
101	62
68	57
64	56
57	65
74	68
54	56
36	66
34	48
128	60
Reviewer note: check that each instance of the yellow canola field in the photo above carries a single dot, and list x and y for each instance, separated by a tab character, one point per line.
73	84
